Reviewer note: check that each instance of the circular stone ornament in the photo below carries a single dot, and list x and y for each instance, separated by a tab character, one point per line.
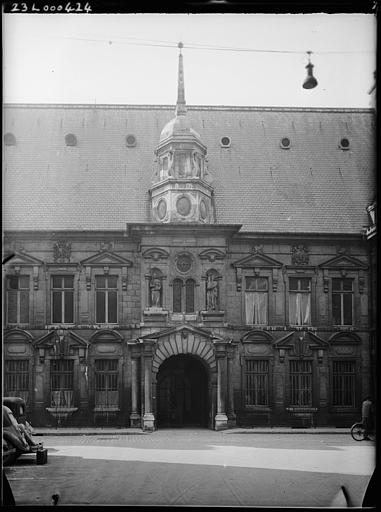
161	209
183	206
183	263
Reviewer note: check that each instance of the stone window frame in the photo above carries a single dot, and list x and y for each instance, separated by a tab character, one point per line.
268	273
258	407
357	291
18	272
62	275
301	273
183	280
66	270
107	290
346	359
106	270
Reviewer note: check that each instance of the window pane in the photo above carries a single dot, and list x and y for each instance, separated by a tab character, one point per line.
68	281
336	284
256	373
189	299
24	282
305	284
24	307
347	309
348	284
343	380
12	307
293	283
100	281
336	308
57	307
101	307
112	281
256	308
250	283
177	287
261	283
112	307
13	282
69	309
57	281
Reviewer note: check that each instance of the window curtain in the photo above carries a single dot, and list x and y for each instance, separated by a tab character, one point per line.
256	308
300	308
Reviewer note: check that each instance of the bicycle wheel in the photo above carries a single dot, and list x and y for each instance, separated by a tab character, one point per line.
357	432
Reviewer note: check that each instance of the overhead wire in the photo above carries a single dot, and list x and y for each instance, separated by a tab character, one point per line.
210	47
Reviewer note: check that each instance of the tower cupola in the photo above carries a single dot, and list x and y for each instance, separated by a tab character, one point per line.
181	190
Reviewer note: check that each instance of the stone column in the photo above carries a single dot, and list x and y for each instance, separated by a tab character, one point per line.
134	416
148	417
221	420
230	408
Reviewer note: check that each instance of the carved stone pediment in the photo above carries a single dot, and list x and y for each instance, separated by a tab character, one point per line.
106	258
257	260
52	337
343	262
13	259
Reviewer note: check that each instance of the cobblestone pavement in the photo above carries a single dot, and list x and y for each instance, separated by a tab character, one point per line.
196	467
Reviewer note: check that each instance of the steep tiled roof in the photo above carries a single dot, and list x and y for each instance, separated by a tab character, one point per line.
101	184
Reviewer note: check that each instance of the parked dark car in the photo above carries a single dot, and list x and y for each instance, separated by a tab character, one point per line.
17	432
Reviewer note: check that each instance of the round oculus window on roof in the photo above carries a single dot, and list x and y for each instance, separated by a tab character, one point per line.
285	143
225	141
131	140
70	139
9	139
344	143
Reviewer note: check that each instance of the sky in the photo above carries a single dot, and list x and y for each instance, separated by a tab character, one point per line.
132	58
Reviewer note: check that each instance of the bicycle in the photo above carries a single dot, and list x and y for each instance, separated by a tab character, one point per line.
358	432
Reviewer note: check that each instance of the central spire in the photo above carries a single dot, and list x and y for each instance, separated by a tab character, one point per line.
181	108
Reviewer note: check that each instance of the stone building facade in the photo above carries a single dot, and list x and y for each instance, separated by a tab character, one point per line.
206	269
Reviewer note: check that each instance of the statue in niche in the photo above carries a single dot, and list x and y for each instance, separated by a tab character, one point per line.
211	293
196	164
155	291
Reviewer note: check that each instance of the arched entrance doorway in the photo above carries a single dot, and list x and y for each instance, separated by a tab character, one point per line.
182	392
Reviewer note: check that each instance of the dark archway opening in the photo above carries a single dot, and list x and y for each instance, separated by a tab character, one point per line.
182	393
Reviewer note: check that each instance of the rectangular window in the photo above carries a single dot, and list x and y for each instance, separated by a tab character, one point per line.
106	383
300	301
343	383
17	378
61	382
18	299
189	296
256	300
301	383
106	299
342	301
256	382
177	292
62	299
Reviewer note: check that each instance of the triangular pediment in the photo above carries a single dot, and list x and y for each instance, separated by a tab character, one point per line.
49	339
343	262
317	342
257	260
19	259
106	258
179	329
285	341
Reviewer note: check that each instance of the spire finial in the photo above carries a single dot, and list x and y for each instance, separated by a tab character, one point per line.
181	109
